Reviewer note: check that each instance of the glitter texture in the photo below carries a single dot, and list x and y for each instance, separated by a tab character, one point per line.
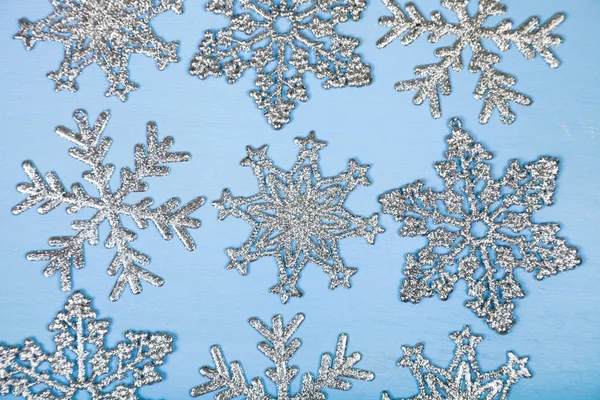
494	87
282	41
49	193
102	32
480	229
298	216
334	372
82	363
462	379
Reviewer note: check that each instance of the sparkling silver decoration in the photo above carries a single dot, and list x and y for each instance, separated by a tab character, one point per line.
109	205
334	372
102	32
298	216
282	41
480	229
82	362
462	379
494	87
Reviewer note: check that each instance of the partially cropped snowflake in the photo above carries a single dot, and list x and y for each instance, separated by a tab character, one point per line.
480	229
82	362
462	379
282	41
109	205
103	32
298	216
334	372
494	87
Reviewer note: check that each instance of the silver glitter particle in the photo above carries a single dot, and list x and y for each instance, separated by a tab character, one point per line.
282	41
91	148
105	33
334	372
298	216
82	362
462	379
494	87
480	229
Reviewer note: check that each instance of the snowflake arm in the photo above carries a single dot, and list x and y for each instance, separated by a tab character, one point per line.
494	87
231	381
91	149
82	362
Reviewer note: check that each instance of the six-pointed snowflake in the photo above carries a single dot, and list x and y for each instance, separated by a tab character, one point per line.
298	216
104	32
109	206
334	372
462	379
283	40
82	362
494	87
480	229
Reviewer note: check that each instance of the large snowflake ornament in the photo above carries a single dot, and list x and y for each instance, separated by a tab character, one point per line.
480	229
103	32
90	148
283	40
82	362
494	87
462	379
298	216
230	380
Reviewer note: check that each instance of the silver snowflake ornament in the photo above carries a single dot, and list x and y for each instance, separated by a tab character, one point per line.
480	229
82	362
109	205
282	41
230	380
105	33
495	87
298	216
462	379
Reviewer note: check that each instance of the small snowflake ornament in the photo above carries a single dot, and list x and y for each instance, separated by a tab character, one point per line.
102	32
109	205
230	380
462	379
494	87
282	41
480	229
298	216
82	362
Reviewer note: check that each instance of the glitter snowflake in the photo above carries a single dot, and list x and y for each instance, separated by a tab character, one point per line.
334	372
480	229
82	362
49	193
102	32
298	216
282	41
462	379
494	87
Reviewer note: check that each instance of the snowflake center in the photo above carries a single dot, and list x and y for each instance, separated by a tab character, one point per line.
283	25
479	229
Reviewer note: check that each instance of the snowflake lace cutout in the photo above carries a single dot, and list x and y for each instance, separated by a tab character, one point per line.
283	40
334	372
480	229
82	362
298	216
102	32
462	379
494	87
91	148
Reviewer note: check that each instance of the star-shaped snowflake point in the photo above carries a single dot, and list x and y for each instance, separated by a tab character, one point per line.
494	87
463	378
283	41
105	33
480	229
298	216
